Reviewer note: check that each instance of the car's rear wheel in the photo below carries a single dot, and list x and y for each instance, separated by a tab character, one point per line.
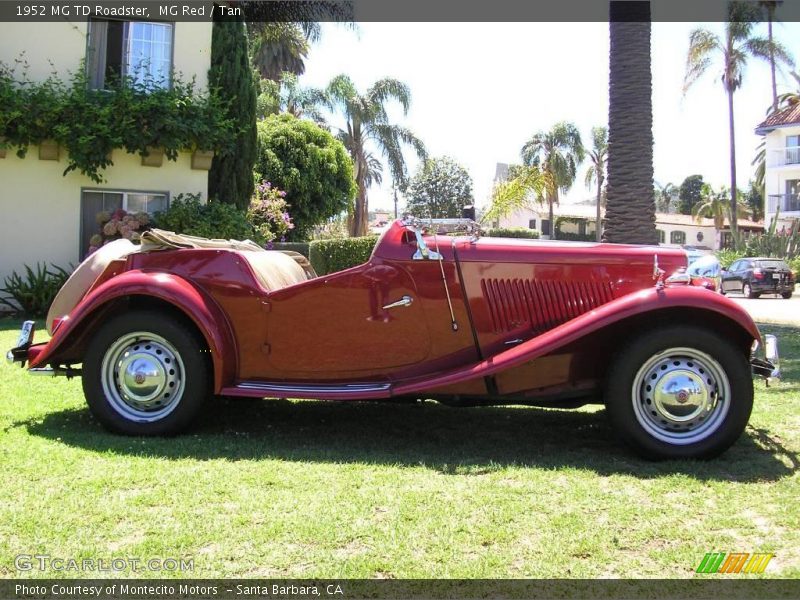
145	374
679	392
748	291
786	295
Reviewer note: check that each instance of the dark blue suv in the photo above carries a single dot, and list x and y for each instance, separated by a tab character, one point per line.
755	276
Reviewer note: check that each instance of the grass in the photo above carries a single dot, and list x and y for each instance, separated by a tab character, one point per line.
311	489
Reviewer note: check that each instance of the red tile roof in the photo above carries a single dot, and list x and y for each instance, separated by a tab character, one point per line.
788	116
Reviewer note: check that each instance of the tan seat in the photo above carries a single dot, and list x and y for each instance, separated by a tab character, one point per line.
84	276
274	270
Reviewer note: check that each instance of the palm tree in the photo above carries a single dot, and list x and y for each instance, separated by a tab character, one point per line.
366	125
630	210
278	48
665	196
715	205
770	6
557	153
598	156
734	48
288	96
527	184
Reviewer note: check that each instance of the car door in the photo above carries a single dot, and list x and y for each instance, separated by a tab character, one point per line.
361	322
729	277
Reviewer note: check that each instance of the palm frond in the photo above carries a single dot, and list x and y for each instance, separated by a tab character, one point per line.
386	89
702	44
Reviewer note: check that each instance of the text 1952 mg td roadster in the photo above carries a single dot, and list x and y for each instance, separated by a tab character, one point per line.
155	330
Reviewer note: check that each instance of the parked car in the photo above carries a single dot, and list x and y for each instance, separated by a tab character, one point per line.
755	276
707	272
154	331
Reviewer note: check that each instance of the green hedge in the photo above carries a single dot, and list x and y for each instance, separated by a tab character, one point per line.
575	237
329	256
301	247
514	232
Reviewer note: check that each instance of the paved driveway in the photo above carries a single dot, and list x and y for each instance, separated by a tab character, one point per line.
771	308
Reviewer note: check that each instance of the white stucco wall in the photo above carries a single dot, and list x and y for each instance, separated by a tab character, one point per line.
41	207
776	173
49	48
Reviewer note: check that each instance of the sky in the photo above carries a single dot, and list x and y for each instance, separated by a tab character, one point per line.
481	90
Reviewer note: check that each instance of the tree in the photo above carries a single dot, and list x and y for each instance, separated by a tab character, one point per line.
288	96
279	48
689	193
526	185
440	189
630	209
557	153
754	198
598	156
231	176
770	6
715	205
367	125
733	51
310	165
665	197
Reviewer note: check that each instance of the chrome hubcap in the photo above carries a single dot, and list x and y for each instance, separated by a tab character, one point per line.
142	376
681	395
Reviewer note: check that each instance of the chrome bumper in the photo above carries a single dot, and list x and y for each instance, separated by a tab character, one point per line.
768	366
19	353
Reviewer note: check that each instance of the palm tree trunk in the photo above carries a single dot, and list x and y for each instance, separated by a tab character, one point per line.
731	131
772	64
358	220
551	200
598	224
630	205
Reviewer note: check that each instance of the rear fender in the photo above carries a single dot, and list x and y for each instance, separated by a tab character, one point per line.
627	307
171	289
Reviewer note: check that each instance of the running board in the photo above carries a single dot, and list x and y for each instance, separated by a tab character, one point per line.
319	391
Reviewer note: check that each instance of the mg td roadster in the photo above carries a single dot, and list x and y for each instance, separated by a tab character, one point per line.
437	312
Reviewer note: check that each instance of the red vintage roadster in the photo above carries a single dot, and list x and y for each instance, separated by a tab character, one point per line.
155	330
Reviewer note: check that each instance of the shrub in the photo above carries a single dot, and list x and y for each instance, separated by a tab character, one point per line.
268	213
33	294
116	225
214	219
575	237
513	232
727	257
311	165
794	265
89	123
329	256
301	247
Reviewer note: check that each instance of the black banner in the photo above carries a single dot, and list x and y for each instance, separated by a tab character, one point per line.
366	10
213	589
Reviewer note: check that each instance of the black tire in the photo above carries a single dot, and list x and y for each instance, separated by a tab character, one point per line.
179	376
786	295
630	400
747	290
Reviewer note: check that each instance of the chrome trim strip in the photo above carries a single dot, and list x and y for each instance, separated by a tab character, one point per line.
343	388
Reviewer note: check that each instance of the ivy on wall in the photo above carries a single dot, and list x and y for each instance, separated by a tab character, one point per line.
90	123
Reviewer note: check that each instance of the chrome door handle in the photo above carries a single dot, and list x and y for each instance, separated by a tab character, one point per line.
404	301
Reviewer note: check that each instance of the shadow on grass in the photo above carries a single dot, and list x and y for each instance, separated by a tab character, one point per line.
458	441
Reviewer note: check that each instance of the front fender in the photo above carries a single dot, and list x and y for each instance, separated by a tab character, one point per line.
176	291
630	305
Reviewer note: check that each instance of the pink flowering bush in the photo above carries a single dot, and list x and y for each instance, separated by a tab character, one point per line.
119	224
269	213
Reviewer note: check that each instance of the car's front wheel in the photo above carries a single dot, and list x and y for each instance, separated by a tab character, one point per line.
679	392
145	373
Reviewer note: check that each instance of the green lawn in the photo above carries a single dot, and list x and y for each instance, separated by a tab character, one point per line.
310	489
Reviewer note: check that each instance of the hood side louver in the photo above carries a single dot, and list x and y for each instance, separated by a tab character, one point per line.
540	305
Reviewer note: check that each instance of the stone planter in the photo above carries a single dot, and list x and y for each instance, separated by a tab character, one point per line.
49	150
153	158
201	159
